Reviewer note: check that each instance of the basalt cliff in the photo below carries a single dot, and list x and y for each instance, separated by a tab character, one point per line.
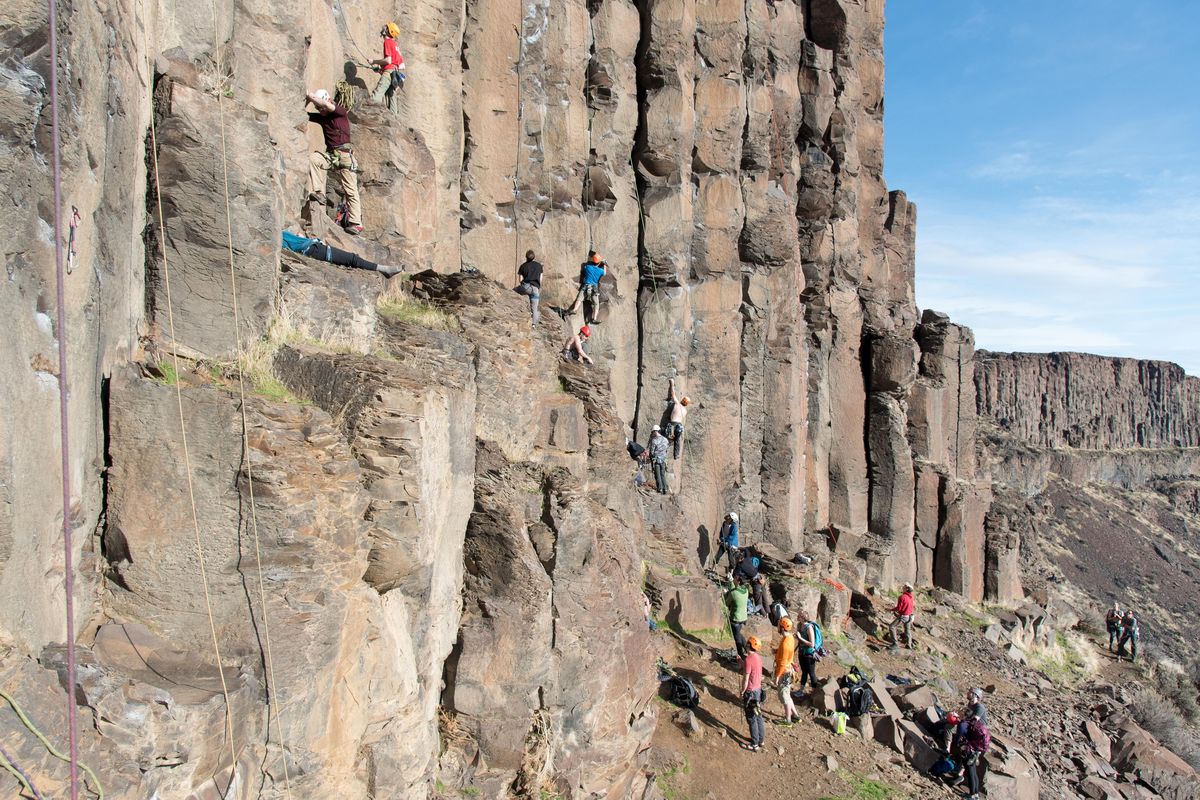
337	536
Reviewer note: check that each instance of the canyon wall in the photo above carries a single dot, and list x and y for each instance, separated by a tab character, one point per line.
1088	402
429	513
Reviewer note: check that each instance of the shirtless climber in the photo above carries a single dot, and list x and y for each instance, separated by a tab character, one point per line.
679	409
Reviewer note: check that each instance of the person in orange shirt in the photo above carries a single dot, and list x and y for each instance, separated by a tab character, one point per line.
785	669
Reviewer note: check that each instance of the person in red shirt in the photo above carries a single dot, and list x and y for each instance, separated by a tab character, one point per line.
903	612
390	68
753	694
338	158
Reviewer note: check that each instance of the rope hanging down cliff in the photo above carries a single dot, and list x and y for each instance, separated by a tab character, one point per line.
60	331
272	700
187	460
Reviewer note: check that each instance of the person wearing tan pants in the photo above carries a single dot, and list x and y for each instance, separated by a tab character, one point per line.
338	158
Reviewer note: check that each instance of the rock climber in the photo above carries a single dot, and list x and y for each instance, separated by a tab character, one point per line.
337	158
572	349
530	276
785	669
807	635
1112	623
390	69
658	458
727	540
737	596
678	412
753	694
315	248
746	569
903	615
1130	634
761	594
590	273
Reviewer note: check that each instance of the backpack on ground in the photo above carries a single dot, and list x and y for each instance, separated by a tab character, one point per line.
854	677
859	700
943	767
778	611
979	738
683	693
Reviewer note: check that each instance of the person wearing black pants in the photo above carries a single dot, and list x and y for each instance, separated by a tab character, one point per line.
808	654
971	774
344	258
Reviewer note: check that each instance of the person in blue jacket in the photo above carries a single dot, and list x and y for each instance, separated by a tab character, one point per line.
727	540
590	273
315	248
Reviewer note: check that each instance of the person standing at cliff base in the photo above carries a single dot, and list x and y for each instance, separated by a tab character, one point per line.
390	68
679	409
658	458
903	612
530	275
809	640
785	669
753	695
737	597
338	158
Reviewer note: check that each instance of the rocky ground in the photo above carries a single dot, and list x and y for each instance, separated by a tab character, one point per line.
1067	719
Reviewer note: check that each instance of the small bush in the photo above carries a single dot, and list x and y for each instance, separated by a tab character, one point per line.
1163	720
398	306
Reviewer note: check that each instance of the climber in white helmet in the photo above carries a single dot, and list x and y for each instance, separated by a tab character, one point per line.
338	158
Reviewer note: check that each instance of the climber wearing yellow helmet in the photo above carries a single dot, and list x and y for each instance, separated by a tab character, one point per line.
390	68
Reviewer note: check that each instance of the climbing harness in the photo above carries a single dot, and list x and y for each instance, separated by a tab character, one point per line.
50	748
60	331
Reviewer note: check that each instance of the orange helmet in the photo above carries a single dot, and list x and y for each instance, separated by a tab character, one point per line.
752	643
785	624
596	259
687	401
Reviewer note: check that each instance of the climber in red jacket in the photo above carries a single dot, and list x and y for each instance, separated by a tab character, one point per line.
390	68
903	612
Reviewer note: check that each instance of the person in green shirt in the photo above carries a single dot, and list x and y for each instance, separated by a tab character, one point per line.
736	599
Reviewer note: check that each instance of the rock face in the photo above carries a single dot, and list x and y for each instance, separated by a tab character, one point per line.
451	544
1089	402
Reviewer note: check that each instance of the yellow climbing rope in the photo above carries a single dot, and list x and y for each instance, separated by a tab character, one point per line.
272	700
187	460
50	748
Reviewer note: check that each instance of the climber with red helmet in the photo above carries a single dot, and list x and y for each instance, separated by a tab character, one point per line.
390	68
590	273
679	409
338	158
572	349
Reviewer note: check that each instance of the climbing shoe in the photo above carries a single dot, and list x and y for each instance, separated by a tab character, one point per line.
388	270
354	230
317	197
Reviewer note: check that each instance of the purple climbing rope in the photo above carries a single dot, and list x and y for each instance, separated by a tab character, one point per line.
65	442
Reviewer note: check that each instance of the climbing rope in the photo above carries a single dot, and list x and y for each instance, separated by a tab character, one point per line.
272	700
517	162
12	768
60	331
187	460
50	748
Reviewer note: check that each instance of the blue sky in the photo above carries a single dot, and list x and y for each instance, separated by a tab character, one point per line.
1053	150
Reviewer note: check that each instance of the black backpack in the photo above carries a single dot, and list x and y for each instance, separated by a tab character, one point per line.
859	700
855	677
683	693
